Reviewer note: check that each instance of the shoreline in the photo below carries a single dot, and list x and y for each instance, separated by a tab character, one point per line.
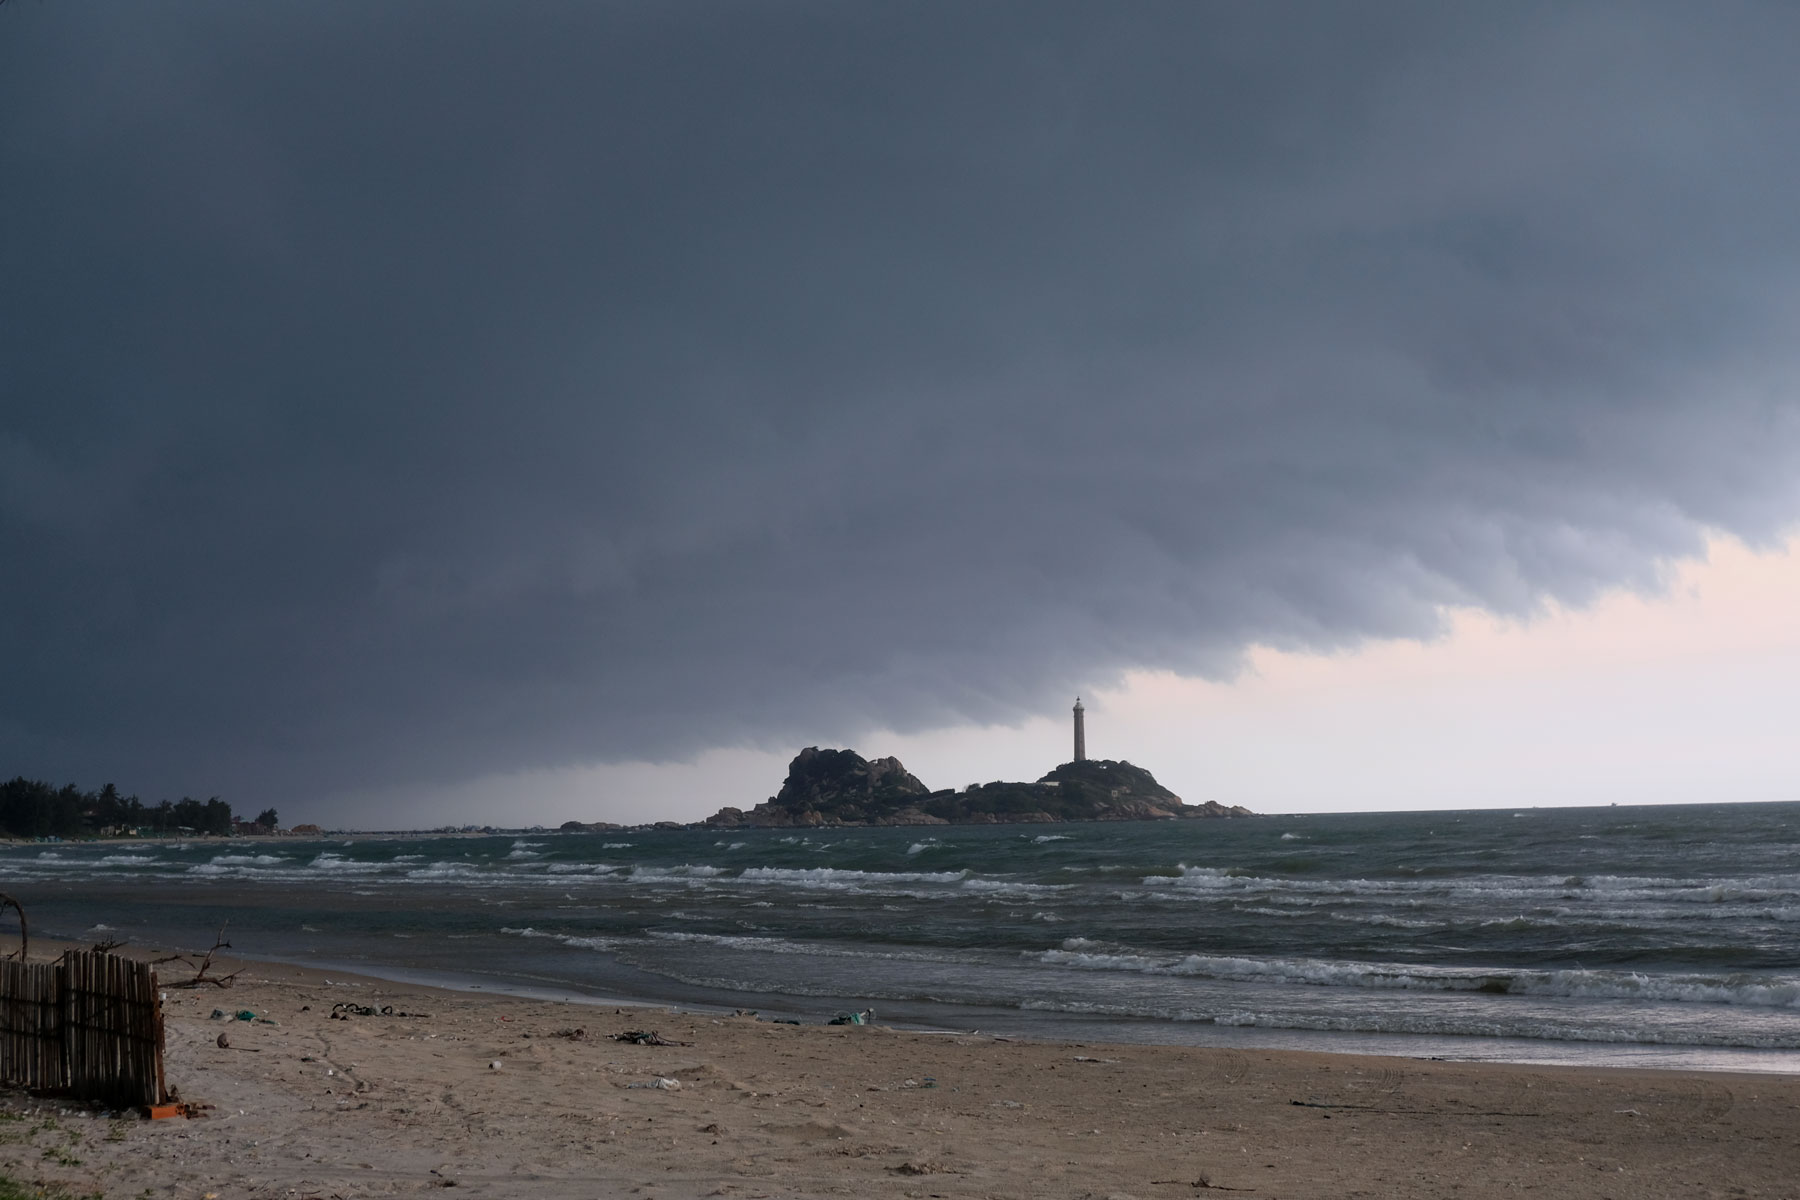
1024	1025
497	1094
1011	1026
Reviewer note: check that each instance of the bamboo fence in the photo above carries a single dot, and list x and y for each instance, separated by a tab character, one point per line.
90	1023
31	1048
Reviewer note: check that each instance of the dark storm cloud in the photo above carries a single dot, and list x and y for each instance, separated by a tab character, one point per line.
395	393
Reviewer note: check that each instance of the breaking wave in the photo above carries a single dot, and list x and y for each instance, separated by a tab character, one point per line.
828	876
1753	991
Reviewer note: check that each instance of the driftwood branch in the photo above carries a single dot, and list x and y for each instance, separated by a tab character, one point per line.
205	965
1204	1182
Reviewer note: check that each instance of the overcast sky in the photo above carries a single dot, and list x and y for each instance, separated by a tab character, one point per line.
396	399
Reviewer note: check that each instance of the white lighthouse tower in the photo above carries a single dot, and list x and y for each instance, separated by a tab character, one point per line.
1080	732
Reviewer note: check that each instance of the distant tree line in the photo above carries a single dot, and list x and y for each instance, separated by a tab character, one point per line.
33	808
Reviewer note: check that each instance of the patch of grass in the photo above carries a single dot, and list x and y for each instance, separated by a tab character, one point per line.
12	1189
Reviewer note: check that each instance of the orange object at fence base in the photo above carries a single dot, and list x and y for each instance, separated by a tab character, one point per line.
162	1112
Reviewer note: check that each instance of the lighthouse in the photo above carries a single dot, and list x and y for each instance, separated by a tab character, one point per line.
1080	733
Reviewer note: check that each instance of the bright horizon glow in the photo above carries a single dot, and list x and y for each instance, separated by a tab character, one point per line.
1678	697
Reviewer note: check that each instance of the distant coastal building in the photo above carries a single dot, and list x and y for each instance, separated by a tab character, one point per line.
1080	732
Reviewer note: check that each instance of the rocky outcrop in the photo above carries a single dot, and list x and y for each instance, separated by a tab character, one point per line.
1091	790
837	787
840	787
1212	808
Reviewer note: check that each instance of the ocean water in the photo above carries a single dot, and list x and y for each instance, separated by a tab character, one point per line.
1664	936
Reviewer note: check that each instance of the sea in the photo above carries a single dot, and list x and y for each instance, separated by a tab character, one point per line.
1663	936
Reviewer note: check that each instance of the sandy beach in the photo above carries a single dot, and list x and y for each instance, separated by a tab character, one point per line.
505	1096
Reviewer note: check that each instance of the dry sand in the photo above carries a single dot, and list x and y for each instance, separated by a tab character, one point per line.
492	1096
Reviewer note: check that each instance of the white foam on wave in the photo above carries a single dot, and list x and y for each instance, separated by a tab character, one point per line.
1743	989
328	861
247	860
260	873
520	854
1236	879
578	941
1381	920
682	873
1488	892
842	876
1448	1022
1095	1008
1782	913
1739	989
1002	887
776	945
1041	838
1688	896
129	860
733	941
1294	971
446	870
615	845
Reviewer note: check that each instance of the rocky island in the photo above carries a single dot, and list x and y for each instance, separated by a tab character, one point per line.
841	787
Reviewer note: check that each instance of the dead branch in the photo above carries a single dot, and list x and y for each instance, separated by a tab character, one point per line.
205	964
1204	1182
646	1037
7	902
